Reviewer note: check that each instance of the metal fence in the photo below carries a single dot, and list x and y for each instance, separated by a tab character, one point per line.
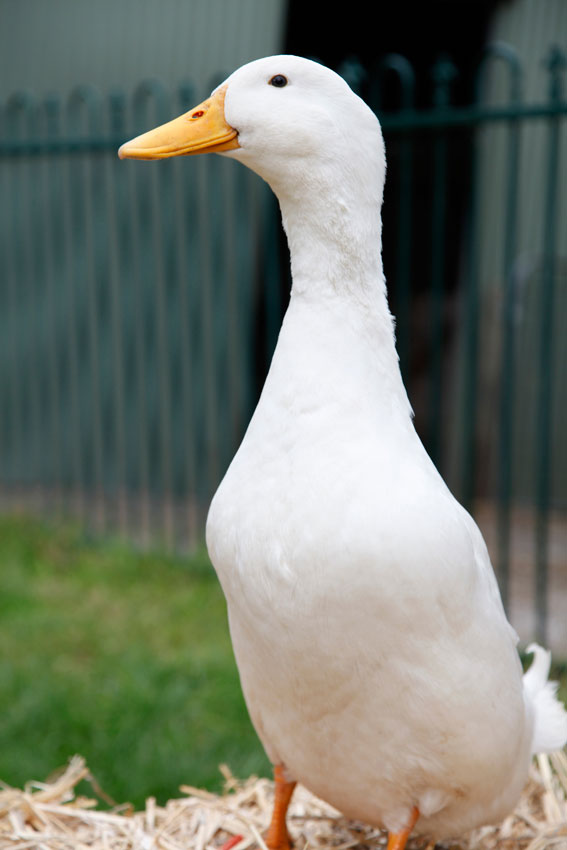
140	305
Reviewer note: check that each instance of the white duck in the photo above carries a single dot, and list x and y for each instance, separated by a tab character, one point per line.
376	660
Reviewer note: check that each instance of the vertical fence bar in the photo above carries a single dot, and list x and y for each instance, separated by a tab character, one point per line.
74	292
114	195
251	194
4	338
14	371
556	64
232	364
21	115
84	104
443	74
269	233
183	206
32	332
205	176
470	322
404	71
138	420
56	173
52	239
161	198
508	324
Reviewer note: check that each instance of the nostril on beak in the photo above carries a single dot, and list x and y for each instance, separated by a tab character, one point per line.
198	114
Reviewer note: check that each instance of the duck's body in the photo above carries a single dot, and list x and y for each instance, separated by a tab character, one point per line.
372	646
375	656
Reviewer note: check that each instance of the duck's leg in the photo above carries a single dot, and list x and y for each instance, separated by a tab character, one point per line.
397	840
277	837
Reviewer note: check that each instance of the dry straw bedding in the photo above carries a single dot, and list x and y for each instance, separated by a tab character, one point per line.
52	816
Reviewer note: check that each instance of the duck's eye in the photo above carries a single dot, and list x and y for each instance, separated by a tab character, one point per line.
279	81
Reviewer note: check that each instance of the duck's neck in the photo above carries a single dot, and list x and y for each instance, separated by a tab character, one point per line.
335	243
335	247
334	232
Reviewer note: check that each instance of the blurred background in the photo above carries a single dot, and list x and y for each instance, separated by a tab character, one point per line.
140	305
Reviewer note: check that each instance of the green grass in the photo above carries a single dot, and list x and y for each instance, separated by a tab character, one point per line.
122	657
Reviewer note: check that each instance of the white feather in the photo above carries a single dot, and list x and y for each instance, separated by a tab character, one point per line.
549	716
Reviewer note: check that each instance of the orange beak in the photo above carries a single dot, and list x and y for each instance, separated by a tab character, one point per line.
201	130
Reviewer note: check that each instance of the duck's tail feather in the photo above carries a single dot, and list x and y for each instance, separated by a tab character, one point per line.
549	716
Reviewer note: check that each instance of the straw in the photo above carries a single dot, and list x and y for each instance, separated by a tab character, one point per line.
52	816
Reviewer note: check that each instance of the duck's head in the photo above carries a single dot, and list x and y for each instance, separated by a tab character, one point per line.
289	119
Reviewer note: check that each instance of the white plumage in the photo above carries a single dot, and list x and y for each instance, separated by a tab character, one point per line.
375	656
